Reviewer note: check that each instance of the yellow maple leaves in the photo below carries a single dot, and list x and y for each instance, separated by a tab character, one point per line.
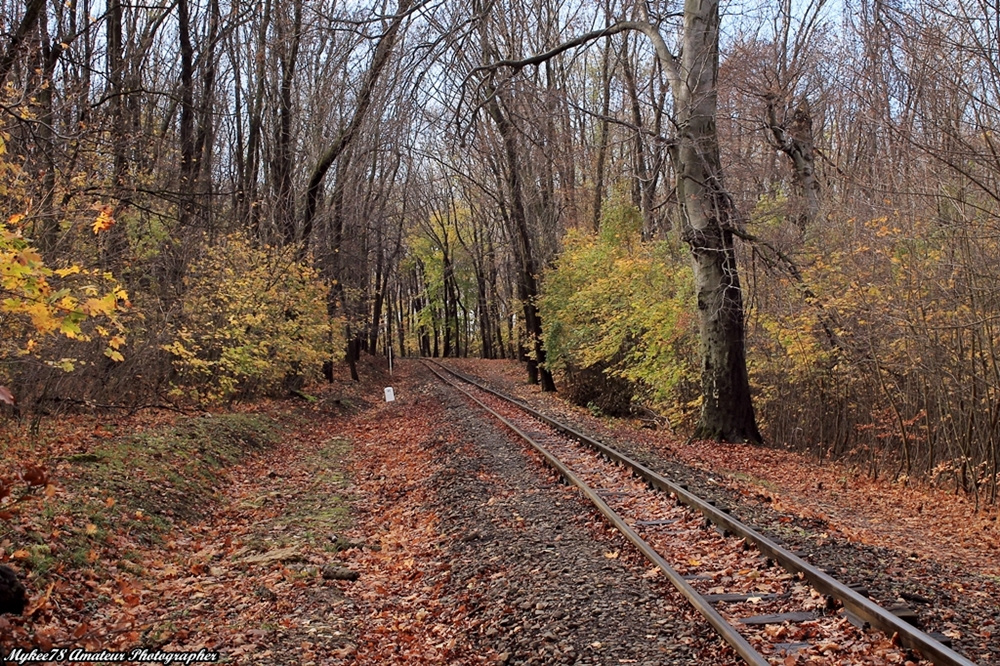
104	220
52	302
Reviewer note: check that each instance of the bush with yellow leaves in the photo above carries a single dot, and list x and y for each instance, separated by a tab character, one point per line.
619	319
253	322
37	302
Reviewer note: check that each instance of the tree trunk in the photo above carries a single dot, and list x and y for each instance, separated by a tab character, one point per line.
48	231
602	146
727	412
527	286
115	243
32	12
188	165
284	142
795	139
249	211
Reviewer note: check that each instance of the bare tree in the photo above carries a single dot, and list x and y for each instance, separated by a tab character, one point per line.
710	221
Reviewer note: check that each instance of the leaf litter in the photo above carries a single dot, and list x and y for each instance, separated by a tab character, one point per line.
250	552
313	547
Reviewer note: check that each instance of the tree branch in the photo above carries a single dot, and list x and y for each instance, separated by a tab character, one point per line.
28	21
667	58
381	57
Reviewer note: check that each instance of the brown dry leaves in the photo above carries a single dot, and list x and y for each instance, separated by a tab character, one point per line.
407	612
248	579
907	517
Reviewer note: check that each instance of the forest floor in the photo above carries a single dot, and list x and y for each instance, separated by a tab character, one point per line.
347	530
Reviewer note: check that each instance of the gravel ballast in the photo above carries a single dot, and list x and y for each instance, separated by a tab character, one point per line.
948	596
553	583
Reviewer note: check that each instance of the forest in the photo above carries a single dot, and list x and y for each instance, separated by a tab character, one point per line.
764	222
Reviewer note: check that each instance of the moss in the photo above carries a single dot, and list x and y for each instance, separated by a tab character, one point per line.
172	473
137	485
322	510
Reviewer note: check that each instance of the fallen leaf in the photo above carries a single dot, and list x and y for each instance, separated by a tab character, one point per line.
34	475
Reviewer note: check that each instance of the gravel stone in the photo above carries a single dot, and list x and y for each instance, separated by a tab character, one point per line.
535	554
964	602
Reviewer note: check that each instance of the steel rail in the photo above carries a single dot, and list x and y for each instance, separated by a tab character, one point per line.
725	630
862	607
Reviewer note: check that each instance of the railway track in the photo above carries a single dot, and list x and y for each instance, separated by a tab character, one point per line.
764	601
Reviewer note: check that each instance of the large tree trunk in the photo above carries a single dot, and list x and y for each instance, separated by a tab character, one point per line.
283	165
727	410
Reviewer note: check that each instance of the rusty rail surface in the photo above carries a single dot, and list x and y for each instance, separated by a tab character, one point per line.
863	608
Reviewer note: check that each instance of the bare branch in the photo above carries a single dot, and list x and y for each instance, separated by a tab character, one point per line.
667	58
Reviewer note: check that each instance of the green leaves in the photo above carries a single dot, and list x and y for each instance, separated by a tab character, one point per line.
617	303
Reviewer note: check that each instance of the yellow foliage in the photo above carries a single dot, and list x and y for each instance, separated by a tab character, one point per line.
38	300
616	303
104	220
251	317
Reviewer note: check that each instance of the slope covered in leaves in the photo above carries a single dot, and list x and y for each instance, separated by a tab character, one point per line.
232	532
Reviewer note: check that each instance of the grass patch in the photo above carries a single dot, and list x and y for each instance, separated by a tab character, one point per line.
129	489
173	473
322	509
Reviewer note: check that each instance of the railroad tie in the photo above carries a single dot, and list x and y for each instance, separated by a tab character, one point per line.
778	618
736	598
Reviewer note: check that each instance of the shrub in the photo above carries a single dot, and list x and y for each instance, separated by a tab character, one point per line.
618	307
253	322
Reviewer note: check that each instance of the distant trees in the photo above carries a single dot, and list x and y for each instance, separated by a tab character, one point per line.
840	211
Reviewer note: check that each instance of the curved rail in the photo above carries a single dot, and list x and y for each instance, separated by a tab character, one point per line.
862	607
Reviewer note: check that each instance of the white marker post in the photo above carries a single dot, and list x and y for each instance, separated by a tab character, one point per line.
389	395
